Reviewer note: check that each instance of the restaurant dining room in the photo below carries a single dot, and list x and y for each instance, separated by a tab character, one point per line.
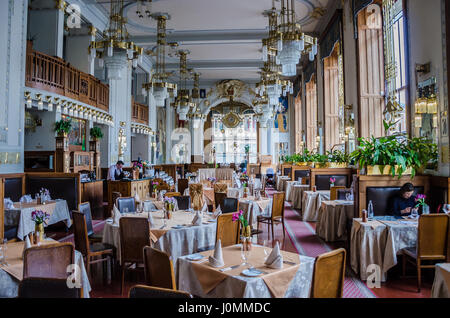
202	151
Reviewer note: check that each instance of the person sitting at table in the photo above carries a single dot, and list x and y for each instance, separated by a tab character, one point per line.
115	172
404	201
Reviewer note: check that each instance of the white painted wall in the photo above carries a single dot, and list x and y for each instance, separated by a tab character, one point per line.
43	138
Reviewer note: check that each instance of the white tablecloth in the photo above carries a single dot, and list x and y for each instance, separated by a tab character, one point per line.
296	195
224	174
332	220
379	242
204	174
22	217
252	208
311	204
235	193
245	287
281	182
176	242
289	185
9	285
441	284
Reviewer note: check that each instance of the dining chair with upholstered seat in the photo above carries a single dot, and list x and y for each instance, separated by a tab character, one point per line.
48	261
334	191
134	236
85	208
196	194
277	215
183	202
183	184
126	203
342	193
432	243
37	287
230	205
329	275
93	253
158	268
227	231
142	291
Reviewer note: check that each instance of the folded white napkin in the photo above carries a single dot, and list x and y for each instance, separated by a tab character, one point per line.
8	203
217	259
27	245
26	199
198	218
205	208
217	212
136	198
275	259
116	215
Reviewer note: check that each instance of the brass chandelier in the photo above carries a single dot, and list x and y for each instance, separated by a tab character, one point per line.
159	86
183	102
115	50
196	115
292	42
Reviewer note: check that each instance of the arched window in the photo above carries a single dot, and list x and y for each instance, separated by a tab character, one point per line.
371	71
311	113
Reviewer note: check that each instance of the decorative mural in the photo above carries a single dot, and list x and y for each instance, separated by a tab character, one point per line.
281	119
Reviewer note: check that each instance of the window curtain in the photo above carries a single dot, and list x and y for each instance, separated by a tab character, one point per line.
310	70
330	39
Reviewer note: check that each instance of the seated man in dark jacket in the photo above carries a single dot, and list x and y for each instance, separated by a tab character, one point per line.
404	201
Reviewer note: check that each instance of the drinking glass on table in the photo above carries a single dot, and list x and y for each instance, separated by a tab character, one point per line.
446	208
125	210
267	248
414	213
245	251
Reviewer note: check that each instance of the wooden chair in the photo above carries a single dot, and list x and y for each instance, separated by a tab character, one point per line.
196	194
142	291
134	236
48	261
277	213
158	269
219	198
92	253
183	184
173	194
85	208
35	287
329	275
227	230
220	187
333	192
230	205
432	242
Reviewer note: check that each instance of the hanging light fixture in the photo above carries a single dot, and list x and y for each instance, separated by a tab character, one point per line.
292	42
183	102
49	103
159	87
28	99
40	102
115	50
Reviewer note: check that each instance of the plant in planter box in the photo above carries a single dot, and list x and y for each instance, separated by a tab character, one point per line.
425	153
321	160
338	156
96	133
63	126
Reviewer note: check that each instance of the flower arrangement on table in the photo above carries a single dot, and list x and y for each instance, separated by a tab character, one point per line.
332	181
155	188
39	217
137	165
245	229
420	200
169	204
212	180
44	194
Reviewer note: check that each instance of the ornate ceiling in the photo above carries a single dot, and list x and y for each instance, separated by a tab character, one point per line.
224	37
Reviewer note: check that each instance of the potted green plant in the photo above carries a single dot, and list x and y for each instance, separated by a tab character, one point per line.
320	161
63	126
424	152
96	133
337	159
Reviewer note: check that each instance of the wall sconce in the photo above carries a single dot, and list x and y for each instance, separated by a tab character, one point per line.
49	104
418	121
58	104
70	109
28	99
432	105
65	108
75	111
40	102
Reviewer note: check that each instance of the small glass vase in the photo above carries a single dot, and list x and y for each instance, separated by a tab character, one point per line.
425	209
331	185
39	232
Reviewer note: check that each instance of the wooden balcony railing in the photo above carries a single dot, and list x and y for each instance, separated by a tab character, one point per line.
55	75
139	113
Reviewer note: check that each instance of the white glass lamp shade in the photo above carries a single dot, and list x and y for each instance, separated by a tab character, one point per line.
58	108
29	102
40	105
182	112
65	110
135	63
110	51
311	56
50	106
160	94
71	112
288	58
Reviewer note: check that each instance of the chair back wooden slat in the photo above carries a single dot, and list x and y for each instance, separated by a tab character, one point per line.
329	275
158	269
173	194
134	236
80	232
278	205
333	192
433	235
227	231
48	261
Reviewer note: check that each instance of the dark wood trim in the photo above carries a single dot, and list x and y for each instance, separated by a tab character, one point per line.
447	29
14	176
409	117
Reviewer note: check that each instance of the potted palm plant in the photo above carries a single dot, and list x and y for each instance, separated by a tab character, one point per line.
62	127
96	133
